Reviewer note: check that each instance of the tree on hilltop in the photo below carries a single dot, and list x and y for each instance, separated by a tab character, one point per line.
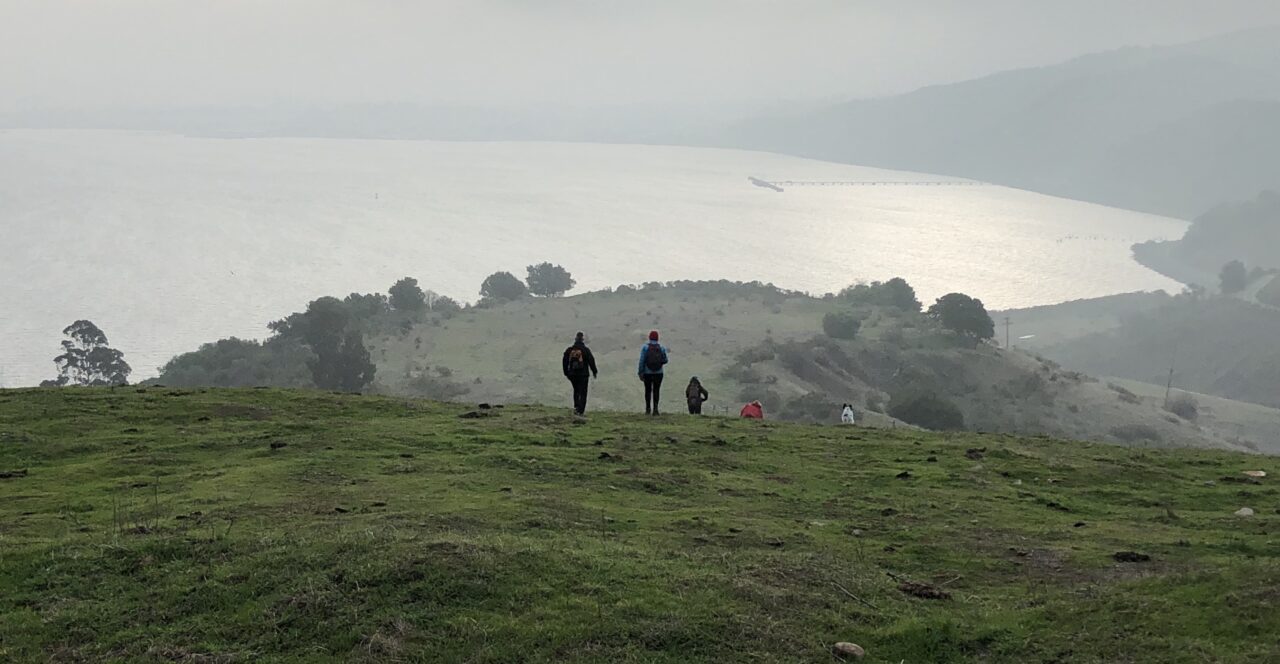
341	361
964	315
366	306
547	280
1235	277
405	295
503	286
88	360
895	292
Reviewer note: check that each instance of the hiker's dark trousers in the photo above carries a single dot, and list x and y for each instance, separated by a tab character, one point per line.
579	393
695	406
652	392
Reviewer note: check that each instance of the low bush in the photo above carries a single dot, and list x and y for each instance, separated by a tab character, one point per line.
1134	433
927	410
1125	395
841	325
1184	406
812	407
437	388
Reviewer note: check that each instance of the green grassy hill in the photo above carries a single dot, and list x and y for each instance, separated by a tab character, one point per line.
745	342
266	525
764	345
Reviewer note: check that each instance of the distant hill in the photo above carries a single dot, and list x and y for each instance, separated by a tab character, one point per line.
1223	346
1248	232
747	342
1172	130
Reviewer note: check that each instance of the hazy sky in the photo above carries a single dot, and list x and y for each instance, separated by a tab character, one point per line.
163	53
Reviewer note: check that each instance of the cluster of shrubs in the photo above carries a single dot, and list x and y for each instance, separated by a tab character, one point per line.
322	346
721	288
542	280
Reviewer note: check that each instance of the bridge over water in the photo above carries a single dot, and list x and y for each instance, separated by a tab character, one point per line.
778	184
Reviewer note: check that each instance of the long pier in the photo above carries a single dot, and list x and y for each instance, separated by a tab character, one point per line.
877	183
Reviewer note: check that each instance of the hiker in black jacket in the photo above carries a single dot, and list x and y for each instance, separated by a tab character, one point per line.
696	395
579	367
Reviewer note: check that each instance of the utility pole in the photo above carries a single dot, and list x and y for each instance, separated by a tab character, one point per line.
1006	333
1168	388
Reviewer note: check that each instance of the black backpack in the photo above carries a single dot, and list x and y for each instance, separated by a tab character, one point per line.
654	358
577	361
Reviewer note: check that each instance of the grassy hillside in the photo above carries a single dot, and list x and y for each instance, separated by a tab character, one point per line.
763	345
1218	345
1253	425
515	348
265	525
745	342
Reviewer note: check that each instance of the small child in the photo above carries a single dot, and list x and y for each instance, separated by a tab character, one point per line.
695	394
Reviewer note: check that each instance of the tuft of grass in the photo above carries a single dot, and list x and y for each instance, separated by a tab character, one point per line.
164	525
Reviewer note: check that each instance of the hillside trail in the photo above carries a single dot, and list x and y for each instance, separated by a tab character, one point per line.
1250	294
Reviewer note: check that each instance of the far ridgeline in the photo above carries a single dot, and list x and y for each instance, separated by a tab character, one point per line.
872	346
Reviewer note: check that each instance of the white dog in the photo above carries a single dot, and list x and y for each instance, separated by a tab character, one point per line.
847	416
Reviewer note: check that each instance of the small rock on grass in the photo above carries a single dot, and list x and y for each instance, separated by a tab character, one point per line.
846	649
1244	511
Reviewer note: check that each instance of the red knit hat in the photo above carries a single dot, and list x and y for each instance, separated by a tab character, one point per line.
653	336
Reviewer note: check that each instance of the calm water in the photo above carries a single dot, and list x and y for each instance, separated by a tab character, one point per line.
167	241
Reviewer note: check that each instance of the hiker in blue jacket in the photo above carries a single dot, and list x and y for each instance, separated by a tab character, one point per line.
653	357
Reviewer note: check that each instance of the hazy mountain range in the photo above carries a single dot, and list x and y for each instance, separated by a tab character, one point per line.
1174	130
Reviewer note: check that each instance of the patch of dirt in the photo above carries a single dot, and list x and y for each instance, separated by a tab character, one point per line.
923	590
13	474
477	414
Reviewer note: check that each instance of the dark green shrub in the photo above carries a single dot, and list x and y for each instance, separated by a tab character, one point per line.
1184	406
927	410
1135	433
841	325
